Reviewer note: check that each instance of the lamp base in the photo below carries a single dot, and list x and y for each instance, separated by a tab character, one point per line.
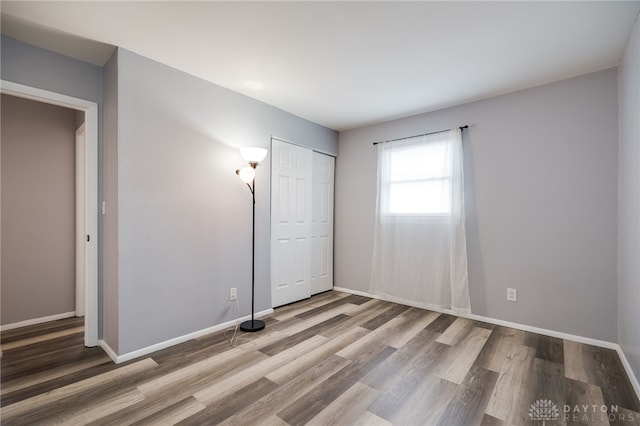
252	325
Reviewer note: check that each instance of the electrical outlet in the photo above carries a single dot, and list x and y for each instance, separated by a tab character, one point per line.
233	293
512	294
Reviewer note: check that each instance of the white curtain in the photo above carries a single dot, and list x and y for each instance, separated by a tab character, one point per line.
420	252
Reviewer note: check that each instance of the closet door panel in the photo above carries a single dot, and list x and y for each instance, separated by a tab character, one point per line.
322	223
291	207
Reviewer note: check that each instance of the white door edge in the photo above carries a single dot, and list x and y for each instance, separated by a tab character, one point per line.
81	270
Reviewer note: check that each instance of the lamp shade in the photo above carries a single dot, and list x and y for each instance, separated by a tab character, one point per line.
253	155
247	174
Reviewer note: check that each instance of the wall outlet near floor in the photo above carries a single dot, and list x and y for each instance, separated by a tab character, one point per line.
233	293
512	294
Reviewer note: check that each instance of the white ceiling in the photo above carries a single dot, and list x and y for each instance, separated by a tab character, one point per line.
343	64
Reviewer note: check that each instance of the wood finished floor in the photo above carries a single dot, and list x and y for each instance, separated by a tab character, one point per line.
334	359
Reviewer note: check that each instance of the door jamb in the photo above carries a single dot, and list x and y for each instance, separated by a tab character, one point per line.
81	236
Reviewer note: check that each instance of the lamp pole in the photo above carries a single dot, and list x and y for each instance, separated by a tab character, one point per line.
253	324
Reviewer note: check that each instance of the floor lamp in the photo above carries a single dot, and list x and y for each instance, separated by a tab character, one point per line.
248	175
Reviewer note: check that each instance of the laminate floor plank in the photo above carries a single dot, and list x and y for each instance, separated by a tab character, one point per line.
95	407
390	333
427	403
462	356
48	404
601	367
625	417
550	349
41	338
155	407
323	308
488	420
585	401
61	344
384	317
48	348
301	336
483	324
316	400
357	316
470	400
295	325
26	380
38	364
414	325
288	393
382	336
547	383
506	400
231	404
207	367
617	390
231	383
332	359
357	299
350	405
457	331
293	309
54	383
401	360
15	334
440	324
502	345
387	404
417	394
178	351
396	392
70	322
173	414
579	363
305	362
369	419
158	397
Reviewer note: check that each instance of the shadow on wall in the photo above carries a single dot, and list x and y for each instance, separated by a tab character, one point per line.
185	231
477	287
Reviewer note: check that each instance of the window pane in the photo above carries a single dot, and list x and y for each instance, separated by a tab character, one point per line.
416	162
430	197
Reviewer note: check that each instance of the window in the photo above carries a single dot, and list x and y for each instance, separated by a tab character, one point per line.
417	179
420	250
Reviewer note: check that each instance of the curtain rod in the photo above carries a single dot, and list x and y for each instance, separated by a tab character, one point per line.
424	134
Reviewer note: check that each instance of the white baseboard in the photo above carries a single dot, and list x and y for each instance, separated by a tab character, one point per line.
105	347
537	330
517	326
35	321
629	370
176	340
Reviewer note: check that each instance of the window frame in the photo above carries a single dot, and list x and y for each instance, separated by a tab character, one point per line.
386	185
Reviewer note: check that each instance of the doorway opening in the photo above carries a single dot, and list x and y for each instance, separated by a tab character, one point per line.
86	163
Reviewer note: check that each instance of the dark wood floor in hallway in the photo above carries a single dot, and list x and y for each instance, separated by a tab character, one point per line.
334	359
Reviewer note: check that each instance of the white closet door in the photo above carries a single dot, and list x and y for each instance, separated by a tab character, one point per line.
322	223
291	174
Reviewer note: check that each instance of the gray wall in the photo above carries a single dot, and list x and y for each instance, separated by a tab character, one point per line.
43	69
184	217
110	191
541	200
38	209
629	217
177	229
32	66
